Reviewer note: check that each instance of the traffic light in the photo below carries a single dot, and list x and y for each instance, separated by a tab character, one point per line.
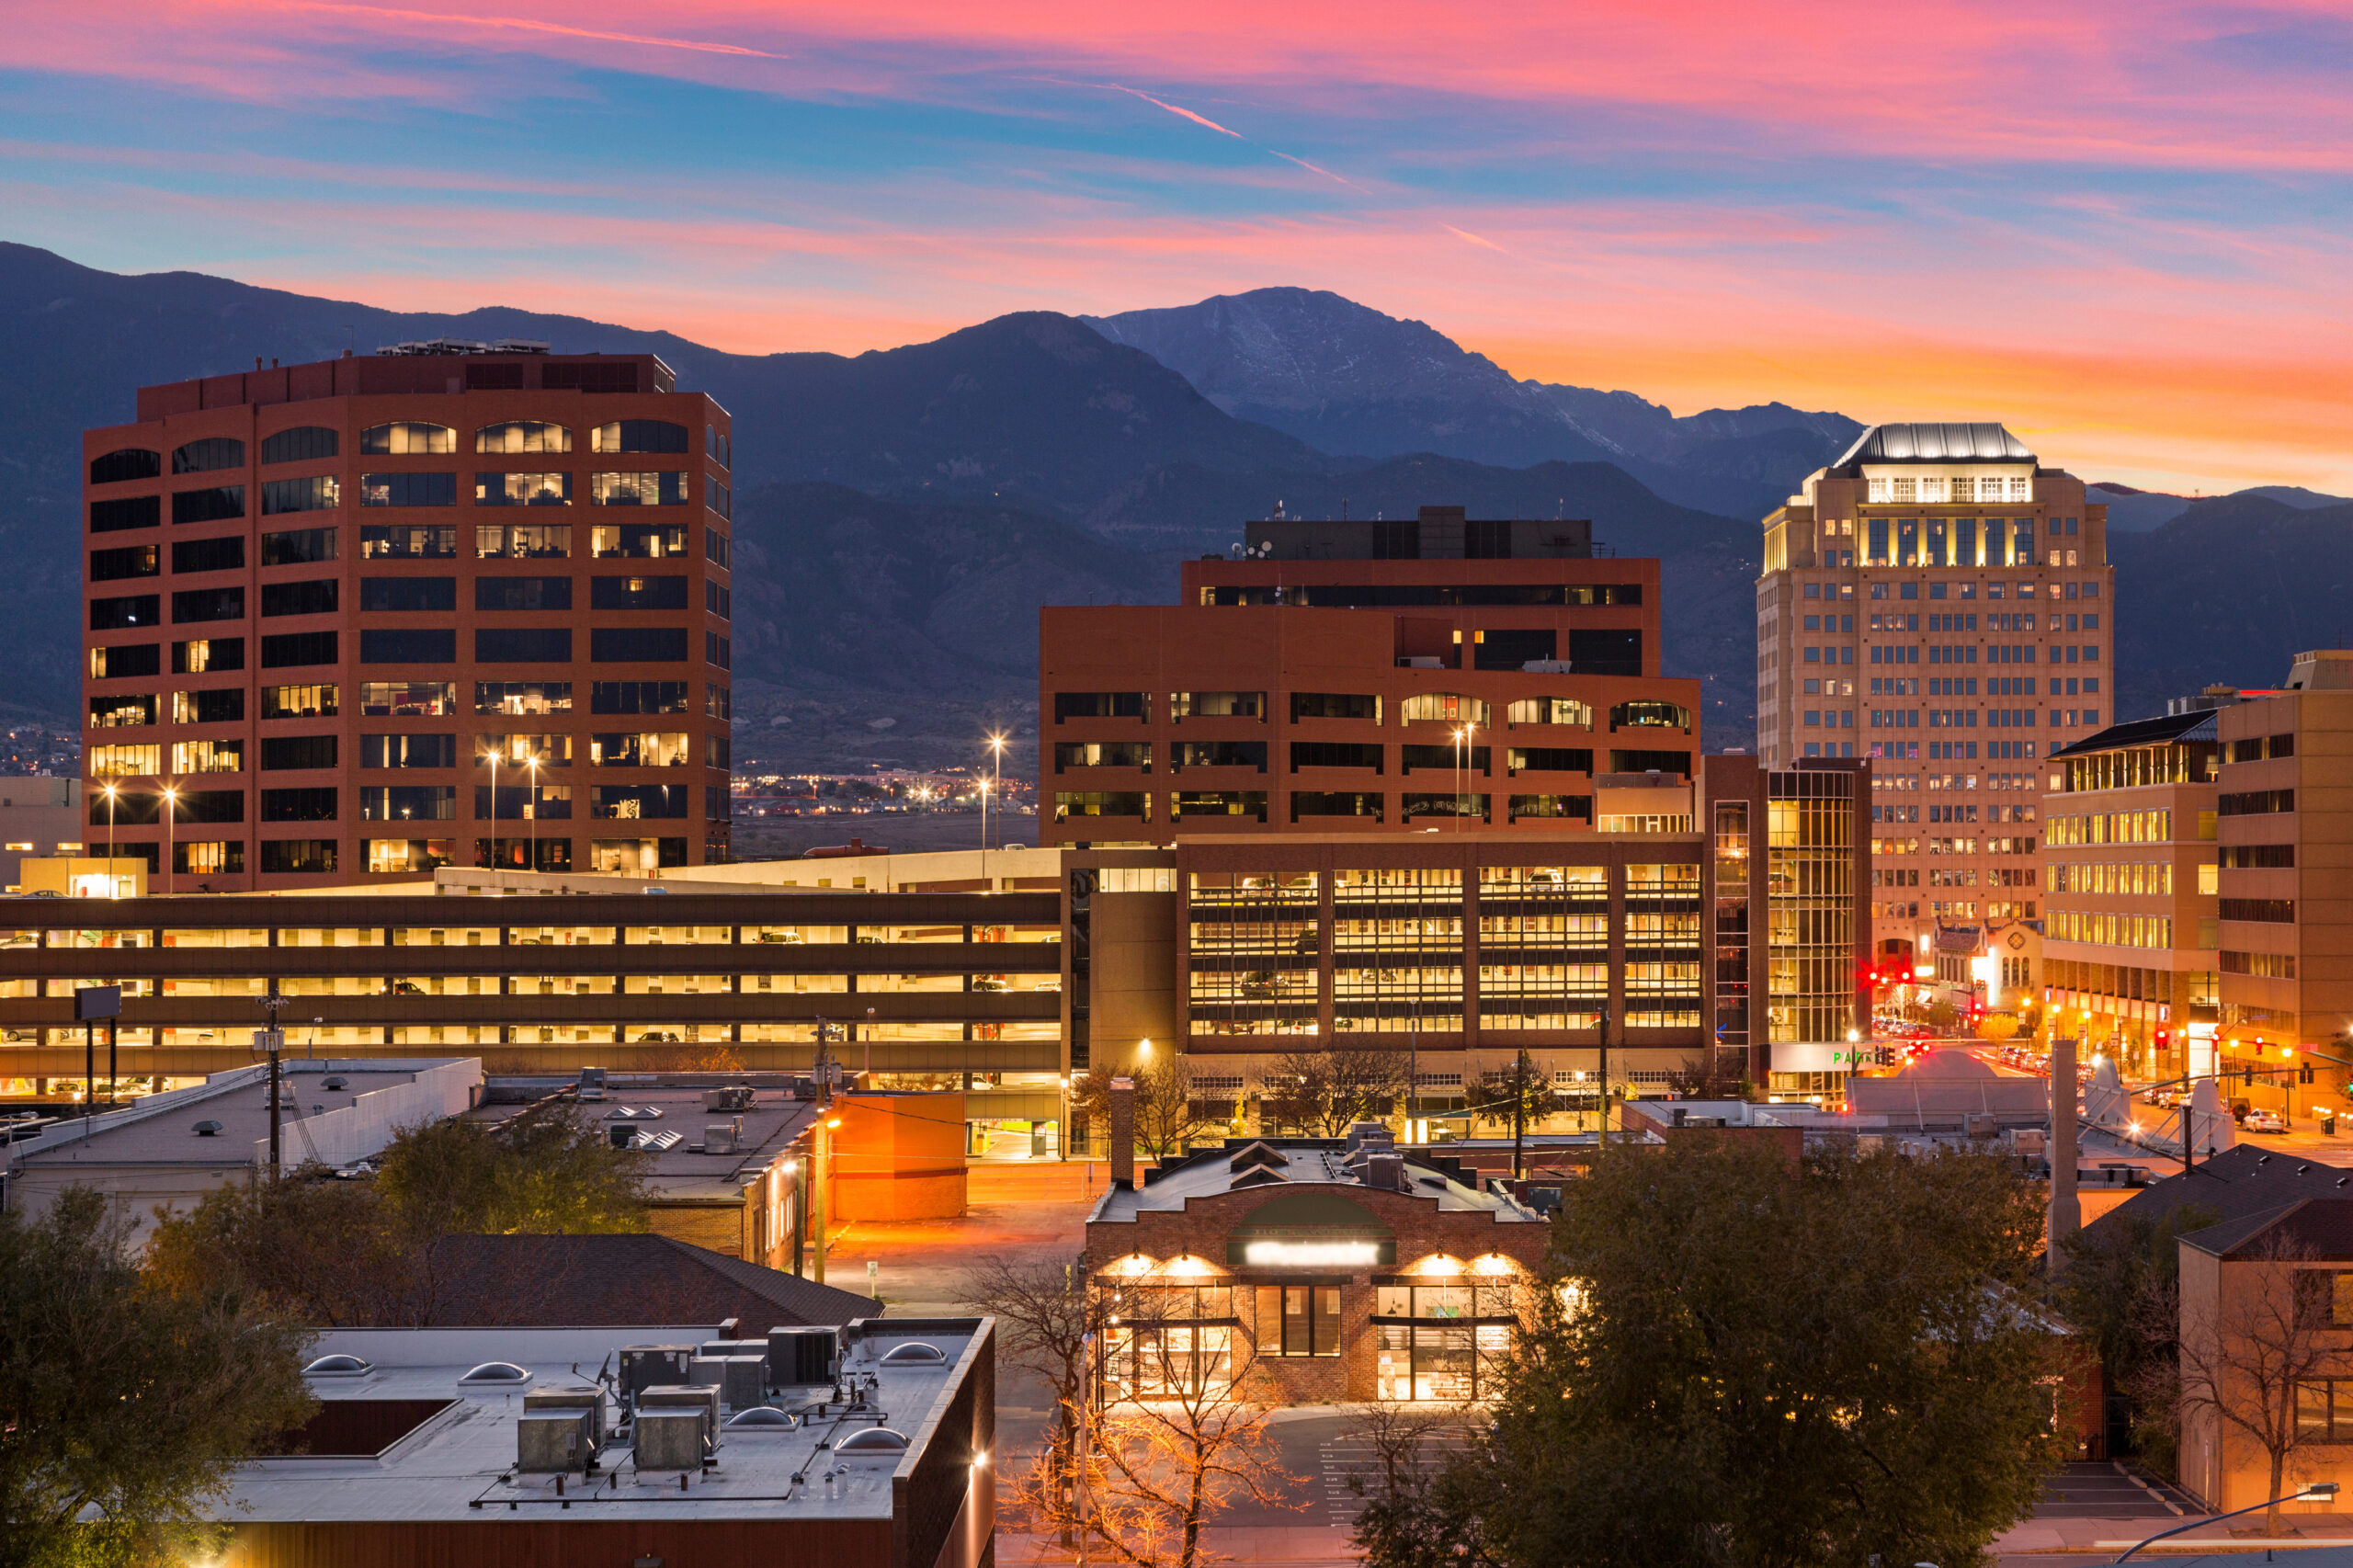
2303	1072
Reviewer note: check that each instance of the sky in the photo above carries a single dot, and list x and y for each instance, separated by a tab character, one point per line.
2119	226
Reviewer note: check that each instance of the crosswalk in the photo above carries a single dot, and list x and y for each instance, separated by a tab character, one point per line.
1350	1469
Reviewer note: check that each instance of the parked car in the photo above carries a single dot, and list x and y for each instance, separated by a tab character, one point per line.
2266	1121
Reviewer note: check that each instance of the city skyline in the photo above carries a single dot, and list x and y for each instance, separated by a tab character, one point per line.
1661	204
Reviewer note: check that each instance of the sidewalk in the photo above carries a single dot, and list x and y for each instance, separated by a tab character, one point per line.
1297	1546
2106	1538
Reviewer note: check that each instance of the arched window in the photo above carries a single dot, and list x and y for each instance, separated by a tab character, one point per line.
212	452
1660	715
407	436
640	435
304	443
523	435
1549	710
130	463
1443	708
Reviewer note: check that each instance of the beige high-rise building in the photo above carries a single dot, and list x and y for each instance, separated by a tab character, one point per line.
1940	602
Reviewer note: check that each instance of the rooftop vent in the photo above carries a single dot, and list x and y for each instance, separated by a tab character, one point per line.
338	1367
634	1113
1256	1154
914	1352
644	1138
873	1440
760	1418
495	1373
518	346
335	1081
208	1129
1257	1177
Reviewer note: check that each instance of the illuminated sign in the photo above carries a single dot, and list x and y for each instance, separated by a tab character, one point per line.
1314	1255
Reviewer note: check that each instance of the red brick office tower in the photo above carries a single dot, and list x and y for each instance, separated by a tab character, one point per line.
322	598
1353	676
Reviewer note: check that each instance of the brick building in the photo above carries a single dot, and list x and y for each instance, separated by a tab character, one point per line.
323	599
1348	678
1317	1269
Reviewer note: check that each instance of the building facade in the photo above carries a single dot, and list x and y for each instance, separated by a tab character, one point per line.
2131	929
324	599
2284	807
1353	676
1615	958
1939	601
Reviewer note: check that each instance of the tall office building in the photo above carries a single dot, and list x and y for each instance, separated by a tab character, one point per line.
342	622
1437	672
1421	784
1939	601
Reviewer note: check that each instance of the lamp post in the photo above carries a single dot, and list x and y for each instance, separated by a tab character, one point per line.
171	803
1062	1134
494	809
114	888
984	833
2318	1492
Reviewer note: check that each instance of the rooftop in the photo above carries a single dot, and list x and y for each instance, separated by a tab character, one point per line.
1300	1163
333	1110
2313	1230
614	1281
2196	725
458	1463
2241	1181
668	1114
1969	443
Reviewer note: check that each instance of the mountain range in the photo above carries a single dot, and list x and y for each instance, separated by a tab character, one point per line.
902	513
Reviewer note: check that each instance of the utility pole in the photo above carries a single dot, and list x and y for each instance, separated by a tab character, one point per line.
272	1040
824	1071
1518	1109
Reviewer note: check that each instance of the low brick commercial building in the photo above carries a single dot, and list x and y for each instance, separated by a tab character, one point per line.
1313	1269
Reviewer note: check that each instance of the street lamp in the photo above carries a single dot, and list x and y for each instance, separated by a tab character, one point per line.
171	801
114	888
1062	1135
494	808
2318	1492
984	834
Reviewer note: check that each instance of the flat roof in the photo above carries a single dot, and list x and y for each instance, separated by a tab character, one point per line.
683	1169
160	1130
458	1464
1321	1162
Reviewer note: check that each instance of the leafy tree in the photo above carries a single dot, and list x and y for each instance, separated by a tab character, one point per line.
346	1253
123	1396
1997	1027
1740	1362
1328	1090
2116	1284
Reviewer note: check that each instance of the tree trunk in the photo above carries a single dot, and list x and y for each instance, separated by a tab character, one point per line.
1192	1515
2279	1473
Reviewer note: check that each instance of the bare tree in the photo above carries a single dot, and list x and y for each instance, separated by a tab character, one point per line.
1326	1091
1406	1520
1174	1439
1720	1075
2242	1357
1169	1113
1045	1314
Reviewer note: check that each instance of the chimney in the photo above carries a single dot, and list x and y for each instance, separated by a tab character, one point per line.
1123	1132
2066	1212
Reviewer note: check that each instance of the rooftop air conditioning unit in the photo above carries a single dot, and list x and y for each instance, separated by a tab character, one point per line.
803	1357
654	1366
669	1440
735	1097
723	1137
553	1441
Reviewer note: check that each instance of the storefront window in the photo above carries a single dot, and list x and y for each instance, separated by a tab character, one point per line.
1298	1320
1446	1342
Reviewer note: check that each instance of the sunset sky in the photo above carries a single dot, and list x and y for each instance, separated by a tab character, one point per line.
2120	227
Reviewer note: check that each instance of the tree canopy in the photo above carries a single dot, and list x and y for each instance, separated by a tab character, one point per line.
343	1253
1735	1361
121	1398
